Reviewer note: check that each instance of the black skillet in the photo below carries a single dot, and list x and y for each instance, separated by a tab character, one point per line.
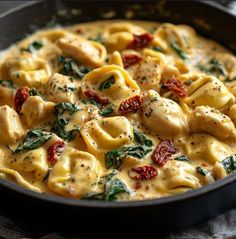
118	218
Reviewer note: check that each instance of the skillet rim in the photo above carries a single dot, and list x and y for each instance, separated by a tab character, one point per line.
59	200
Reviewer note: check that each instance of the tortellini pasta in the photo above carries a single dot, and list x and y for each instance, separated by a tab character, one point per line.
73	175
208	90
111	81
171	34
118	35
117	110
205	146
107	134
26	69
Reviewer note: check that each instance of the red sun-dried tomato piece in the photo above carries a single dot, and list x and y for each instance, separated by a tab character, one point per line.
162	152
131	59
55	150
93	96
176	86
141	41
21	96
130	105
144	172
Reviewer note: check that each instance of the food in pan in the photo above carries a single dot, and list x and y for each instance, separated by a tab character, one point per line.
117	110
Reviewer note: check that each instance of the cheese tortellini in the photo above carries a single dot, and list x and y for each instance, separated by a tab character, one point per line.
74	174
111	81
107	134
26	69
117	110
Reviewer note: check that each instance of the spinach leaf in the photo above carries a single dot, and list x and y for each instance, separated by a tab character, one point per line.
61	108
182	158
6	83
59	129
107	83
229	164
107	111
140	138
157	48
202	171
179	51
213	67
230	80
33	92
112	188
34	139
115	157
70	68
34	46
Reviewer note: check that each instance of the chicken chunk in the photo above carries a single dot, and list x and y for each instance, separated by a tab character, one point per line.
87	52
208	120
35	111
60	88
11	129
162	116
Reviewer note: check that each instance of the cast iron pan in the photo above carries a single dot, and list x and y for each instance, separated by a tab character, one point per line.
118	218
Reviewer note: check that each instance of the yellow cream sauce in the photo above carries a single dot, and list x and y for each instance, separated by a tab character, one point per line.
43	83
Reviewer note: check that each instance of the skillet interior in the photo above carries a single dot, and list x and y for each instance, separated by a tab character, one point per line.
162	214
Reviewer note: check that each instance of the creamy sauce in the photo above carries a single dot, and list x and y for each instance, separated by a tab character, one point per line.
117	110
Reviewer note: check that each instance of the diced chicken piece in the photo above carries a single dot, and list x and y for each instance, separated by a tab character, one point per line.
162	116
36	111
86	52
11	129
60	88
7	96
208	120
147	73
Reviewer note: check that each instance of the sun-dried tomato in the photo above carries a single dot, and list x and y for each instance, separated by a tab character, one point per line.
131	59
163	152
55	150
176	86
144	172
141	41
21	96
130	105
93	96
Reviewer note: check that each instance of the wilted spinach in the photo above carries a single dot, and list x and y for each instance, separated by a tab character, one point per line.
112	188
182	158
59	129
107	83
34	139
229	164
69	67
61	108
107	111
114	158
213	67
202	171
179	51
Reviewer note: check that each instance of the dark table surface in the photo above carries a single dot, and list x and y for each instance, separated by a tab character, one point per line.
223	226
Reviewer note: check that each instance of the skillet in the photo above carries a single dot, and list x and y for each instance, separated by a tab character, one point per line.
114	218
